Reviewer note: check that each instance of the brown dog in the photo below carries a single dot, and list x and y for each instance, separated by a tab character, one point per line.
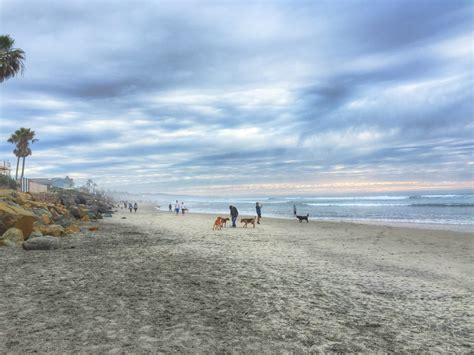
224	221
217	224
248	221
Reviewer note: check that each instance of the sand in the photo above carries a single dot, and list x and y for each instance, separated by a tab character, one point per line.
156	282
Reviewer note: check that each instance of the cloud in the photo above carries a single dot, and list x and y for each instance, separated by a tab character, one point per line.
195	96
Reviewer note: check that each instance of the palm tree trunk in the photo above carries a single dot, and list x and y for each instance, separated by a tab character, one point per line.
17	164
23	169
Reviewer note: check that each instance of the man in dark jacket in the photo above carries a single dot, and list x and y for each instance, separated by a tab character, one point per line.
233	214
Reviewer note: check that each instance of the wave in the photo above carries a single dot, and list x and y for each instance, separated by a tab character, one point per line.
442	205
353	198
414	197
358	204
390	204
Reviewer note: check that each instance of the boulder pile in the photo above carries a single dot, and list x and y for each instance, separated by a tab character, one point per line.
54	214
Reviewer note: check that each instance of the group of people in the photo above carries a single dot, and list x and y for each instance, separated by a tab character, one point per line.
234	213
177	207
130	206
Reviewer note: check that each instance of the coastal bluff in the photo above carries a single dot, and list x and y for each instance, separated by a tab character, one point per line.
55	214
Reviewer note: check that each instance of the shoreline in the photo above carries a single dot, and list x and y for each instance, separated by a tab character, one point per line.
461	228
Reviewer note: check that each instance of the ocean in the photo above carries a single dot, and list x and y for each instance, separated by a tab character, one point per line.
426	209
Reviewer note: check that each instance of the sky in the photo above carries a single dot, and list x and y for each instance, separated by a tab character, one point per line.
245	97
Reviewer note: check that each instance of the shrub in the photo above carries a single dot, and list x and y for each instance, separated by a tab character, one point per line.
8	182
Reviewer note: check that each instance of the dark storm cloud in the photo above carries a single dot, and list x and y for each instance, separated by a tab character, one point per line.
242	92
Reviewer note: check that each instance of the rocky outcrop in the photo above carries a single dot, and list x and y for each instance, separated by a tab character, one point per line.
55	214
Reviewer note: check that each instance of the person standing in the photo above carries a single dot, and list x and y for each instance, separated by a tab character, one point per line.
130	207
234	213
183	208
294	210
170	208
176	207
258	208
135	207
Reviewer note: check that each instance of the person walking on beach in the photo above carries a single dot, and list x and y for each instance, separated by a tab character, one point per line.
258	208
294	210
176	207
234	213
170	207
183	208
135	207
130	207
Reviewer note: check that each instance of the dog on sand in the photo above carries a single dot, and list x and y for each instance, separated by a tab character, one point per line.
217	224
247	221
224	221
303	218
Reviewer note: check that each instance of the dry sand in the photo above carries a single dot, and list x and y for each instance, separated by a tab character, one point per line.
156	282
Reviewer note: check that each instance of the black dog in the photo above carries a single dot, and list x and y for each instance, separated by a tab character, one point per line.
303	218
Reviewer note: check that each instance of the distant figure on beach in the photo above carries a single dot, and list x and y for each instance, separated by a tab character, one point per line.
176	207
130	207
234	213
125	205
170	208
183	208
258	208
294	210
135	207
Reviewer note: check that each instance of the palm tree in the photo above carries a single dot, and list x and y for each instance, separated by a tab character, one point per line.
15	139
11	59
22	138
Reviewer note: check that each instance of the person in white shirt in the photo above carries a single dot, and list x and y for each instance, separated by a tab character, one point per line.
176	207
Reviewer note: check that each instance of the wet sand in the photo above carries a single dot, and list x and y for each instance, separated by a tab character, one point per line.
156	282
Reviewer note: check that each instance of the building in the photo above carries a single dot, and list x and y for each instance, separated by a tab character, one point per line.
62	183
33	187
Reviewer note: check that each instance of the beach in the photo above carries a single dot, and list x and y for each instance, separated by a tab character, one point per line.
153	281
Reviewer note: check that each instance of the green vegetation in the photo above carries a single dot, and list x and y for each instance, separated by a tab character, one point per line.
8	182
11	59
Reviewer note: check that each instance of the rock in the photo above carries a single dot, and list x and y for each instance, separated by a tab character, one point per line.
55	215
36	204
10	213
53	229
42	243
72	229
35	234
11	237
80	199
85	219
25	224
22	198
45	219
63	222
94	229
83	211
75	212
